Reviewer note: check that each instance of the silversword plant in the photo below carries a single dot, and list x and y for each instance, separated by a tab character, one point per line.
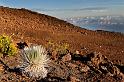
35	61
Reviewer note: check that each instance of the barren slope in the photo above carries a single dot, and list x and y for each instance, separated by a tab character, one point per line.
39	28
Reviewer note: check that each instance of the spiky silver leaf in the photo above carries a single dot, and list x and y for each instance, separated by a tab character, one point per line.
35	61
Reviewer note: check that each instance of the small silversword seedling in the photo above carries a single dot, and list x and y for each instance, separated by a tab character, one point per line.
35	61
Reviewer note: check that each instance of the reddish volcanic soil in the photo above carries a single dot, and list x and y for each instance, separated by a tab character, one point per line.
40	28
33	27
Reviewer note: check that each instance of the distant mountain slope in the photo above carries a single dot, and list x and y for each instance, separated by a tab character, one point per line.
39	28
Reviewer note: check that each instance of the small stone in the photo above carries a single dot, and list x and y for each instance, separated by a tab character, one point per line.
85	68
72	65
77	52
97	59
122	76
66	58
1	68
74	79
54	55
13	34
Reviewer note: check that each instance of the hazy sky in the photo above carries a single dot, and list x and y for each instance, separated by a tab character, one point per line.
70	8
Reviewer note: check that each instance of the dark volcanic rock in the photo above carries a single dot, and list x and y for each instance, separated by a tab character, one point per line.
39	29
97	69
66	57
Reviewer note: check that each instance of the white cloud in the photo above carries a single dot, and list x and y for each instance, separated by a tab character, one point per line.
100	11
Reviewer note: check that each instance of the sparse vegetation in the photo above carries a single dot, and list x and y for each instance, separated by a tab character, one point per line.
35	60
59	48
6	46
65	65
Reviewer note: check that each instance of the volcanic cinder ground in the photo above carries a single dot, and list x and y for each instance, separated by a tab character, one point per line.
33	27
